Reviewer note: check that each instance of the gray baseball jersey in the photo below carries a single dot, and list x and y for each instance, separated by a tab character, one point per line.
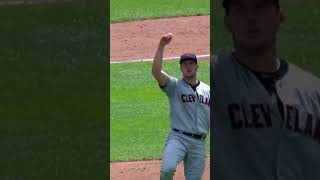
264	132
189	112
189	109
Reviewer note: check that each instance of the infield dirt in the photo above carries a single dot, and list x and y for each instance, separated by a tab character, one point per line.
139	40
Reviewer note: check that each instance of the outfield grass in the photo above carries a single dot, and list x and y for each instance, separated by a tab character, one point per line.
298	40
53	92
128	10
139	119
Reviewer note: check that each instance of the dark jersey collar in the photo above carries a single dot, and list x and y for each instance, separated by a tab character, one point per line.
193	86
283	69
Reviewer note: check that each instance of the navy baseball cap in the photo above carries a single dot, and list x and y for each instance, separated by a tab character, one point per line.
188	56
226	4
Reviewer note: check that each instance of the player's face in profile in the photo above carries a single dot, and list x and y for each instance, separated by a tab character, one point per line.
189	68
253	23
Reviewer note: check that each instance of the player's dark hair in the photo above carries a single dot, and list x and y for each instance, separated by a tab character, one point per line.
226	5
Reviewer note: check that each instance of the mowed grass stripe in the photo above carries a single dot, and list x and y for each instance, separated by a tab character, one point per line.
140	110
127	10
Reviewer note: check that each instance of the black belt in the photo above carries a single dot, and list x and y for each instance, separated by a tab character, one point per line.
197	136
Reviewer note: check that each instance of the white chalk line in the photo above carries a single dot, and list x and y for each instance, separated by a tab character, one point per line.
149	59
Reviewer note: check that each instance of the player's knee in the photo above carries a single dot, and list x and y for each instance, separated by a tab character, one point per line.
168	170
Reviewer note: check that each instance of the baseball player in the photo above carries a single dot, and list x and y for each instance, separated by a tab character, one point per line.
266	111
189	115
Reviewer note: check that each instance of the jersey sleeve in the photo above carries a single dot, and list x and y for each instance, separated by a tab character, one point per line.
169	87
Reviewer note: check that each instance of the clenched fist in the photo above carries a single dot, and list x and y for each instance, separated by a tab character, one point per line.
165	39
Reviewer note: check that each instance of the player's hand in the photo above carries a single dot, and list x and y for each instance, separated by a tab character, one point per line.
166	39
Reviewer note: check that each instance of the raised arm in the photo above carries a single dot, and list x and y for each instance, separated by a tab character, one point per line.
157	72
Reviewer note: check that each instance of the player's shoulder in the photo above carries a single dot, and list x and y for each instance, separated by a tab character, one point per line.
220	58
171	81
172	78
302	78
204	85
181	83
221	61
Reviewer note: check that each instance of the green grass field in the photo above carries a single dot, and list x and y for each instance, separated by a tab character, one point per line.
140	110
53	91
127	10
